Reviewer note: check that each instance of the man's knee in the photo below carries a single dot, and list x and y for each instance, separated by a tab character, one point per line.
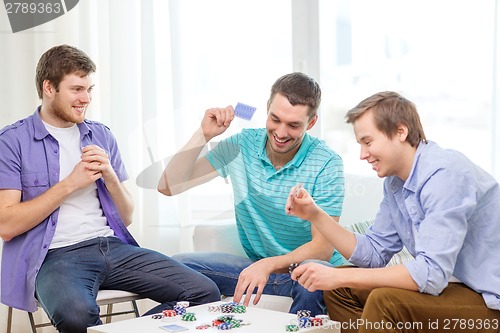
306	300
76	319
386	304
385	297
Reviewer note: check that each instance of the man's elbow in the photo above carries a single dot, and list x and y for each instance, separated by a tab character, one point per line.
165	191
5	235
326	252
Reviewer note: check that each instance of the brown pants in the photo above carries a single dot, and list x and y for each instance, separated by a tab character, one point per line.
456	309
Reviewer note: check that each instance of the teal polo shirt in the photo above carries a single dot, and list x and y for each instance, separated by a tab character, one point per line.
261	191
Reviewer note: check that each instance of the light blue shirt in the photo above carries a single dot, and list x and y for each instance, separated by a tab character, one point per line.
447	214
261	191
30	163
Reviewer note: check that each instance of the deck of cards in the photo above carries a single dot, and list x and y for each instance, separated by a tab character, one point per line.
244	111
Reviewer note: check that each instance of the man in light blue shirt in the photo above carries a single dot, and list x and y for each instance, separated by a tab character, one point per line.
263	164
443	208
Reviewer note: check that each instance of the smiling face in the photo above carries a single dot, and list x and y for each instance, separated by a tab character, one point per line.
67	105
286	126
387	156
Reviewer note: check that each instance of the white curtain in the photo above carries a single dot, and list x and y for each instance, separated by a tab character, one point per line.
119	36
221	52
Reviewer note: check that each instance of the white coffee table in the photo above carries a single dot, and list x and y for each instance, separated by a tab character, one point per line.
261	321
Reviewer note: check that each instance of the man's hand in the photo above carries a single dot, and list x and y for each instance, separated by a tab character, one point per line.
301	204
97	160
314	276
254	276
216	121
83	175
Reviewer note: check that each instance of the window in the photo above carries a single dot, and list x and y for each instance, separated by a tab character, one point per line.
222	52
438	54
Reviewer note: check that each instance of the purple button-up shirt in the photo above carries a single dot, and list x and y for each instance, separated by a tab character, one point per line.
29	162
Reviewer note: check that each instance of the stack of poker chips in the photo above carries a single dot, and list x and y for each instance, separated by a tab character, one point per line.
305	320
292	266
180	308
169	313
292	328
230	307
189	316
184	304
226	322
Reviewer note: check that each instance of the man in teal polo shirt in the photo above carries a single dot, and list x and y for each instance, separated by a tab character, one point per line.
263	164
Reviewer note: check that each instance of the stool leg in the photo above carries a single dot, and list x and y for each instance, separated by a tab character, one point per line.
32	322
9	320
109	312
136	309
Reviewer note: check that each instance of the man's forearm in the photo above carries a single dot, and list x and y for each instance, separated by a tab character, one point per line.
368	278
180	168
122	199
19	217
310	250
343	240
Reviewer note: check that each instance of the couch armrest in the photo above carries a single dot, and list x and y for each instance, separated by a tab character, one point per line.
219	236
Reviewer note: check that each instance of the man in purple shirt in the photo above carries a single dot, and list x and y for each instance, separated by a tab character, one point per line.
64	209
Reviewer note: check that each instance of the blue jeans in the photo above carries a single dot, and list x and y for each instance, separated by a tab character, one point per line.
68	281
224	269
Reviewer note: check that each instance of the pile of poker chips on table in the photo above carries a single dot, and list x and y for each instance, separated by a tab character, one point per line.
228	321
224	322
305	320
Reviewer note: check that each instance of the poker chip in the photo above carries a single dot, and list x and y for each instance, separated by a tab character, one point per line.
316	322
184	304
224	326
292	266
304	322
189	316
235	323
324	319
225	318
227	308
203	327
169	319
292	328
169	313
216	322
180	310
303	314
213	308
239	309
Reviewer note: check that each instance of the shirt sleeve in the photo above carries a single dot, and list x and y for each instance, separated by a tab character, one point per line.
115	156
224	153
10	164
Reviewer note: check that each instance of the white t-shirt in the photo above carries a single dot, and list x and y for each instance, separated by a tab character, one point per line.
80	215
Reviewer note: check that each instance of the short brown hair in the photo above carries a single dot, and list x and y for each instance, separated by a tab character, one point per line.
60	61
390	110
299	89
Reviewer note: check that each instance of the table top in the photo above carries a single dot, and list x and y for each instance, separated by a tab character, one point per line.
260	321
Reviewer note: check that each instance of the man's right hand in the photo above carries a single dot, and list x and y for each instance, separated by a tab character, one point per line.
83	175
216	121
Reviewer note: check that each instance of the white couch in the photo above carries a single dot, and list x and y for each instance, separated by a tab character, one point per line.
362	198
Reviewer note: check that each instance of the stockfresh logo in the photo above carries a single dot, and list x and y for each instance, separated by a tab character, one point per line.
28	14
